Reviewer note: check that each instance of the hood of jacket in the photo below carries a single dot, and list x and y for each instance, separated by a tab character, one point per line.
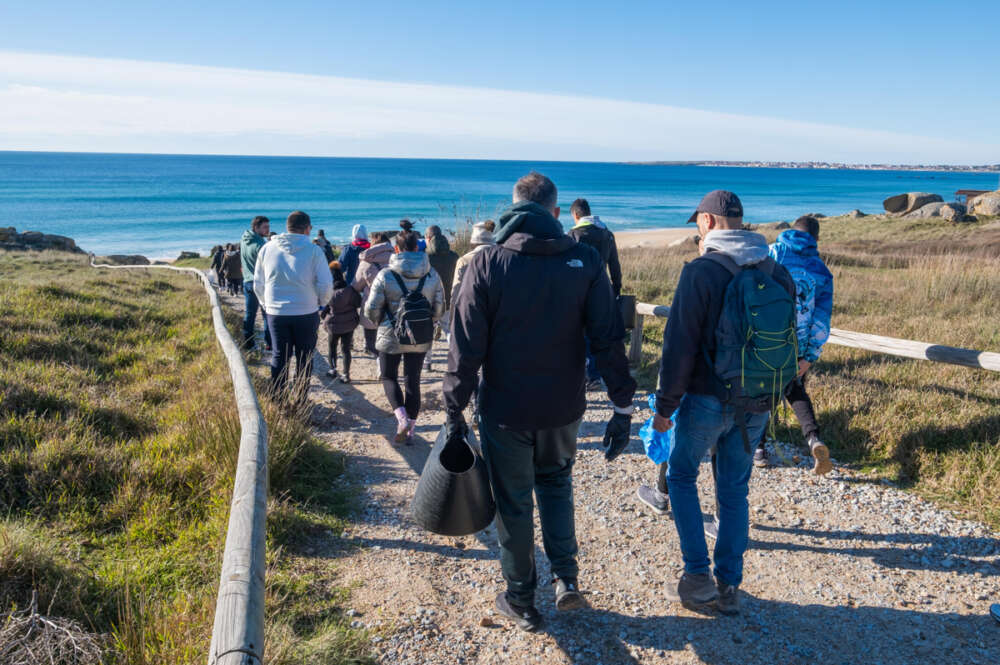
250	237
590	220
412	265
293	243
438	245
529	218
743	247
379	254
797	241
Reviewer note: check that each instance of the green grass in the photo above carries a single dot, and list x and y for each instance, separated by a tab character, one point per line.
118	438
201	263
928	426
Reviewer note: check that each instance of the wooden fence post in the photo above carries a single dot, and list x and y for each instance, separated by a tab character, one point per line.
635	344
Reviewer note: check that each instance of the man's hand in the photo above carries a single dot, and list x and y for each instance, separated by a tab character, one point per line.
804	366
616	435
661	424
455	427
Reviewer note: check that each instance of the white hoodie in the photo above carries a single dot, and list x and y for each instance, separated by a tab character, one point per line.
292	277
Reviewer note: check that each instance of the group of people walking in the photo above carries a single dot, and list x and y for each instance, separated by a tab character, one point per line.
533	321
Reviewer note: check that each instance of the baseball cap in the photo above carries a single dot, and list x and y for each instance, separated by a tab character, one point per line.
719	202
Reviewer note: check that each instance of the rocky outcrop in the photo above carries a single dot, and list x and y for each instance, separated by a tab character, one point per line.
953	212
10	239
688	242
855	214
926	211
986	205
779	226
903	204
817	215
188	255
123	260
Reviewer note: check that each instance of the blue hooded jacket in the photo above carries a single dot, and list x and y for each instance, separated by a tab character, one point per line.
796	250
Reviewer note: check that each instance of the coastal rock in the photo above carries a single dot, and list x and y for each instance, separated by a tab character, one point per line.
7	233
902	204
855	214
987	205
10	239
926	211
125	260
778	226
953	212
817	215
188	255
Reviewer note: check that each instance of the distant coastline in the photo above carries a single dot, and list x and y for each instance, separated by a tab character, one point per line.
958	168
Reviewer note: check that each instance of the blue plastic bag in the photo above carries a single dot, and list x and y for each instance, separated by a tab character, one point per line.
657	444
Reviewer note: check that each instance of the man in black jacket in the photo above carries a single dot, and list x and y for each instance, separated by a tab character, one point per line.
590	230
688	385
521	313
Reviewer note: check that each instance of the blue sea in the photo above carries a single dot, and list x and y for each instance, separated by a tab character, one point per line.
159	205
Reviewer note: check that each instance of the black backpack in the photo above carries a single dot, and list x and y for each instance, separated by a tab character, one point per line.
412	321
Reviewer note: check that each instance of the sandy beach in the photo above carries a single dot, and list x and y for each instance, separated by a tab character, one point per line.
653	237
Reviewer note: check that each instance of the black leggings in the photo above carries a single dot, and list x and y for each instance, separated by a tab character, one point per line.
388	367
802	406
370	339
345	347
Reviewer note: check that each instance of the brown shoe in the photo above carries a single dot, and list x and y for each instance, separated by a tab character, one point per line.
821	456
693	591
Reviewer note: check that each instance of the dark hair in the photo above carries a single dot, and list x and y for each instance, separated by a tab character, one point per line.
406	241
339	281
809	224
490	225
406	225
298	222
322	233
433	230
257	221
580	208
538	188
375	237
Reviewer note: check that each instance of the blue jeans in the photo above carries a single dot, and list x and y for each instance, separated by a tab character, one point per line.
250	317
294	336
703	422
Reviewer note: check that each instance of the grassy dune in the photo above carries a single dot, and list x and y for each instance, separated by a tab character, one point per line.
118	439
932	427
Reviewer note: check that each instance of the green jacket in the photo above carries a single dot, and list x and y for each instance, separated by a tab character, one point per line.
250	244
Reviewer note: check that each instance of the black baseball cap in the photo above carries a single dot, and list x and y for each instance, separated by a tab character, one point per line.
718	202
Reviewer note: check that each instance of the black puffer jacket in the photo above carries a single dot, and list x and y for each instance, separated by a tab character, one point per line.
591	231
521	313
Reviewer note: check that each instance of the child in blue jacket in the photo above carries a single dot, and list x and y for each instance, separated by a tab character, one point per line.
795	249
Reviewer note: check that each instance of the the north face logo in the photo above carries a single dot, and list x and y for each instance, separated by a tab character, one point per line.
575	263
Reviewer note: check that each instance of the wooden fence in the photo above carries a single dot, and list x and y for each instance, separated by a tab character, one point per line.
238	630
889	345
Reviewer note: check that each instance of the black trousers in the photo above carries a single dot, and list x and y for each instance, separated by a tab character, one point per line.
520	463
388	367
802	406
344	339
370	339
293	337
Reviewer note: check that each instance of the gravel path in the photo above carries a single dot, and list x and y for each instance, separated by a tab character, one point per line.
839	570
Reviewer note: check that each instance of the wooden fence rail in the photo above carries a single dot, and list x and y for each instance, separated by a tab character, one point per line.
889	345
238	630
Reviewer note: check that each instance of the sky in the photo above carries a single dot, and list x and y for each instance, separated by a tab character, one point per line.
850	81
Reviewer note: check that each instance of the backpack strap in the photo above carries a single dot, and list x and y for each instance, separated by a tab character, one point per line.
420	284
723	260
402	284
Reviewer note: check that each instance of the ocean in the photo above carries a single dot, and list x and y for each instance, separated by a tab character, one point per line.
159	205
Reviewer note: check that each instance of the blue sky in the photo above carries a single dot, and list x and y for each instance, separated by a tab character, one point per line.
914	69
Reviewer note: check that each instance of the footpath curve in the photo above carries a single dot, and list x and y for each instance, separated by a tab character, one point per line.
840	570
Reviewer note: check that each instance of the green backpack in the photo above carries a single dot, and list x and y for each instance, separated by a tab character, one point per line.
756	348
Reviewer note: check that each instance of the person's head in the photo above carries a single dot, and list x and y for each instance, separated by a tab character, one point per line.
217	248
490	225
407	241
377	237
580	209
261	225
481	235
809	224
539	189
718	210
432	230
339	281
322	234
359	232
271	234
406	225
299	222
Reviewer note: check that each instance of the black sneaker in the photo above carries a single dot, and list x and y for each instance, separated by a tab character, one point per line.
693	591
712	528
728	601
568	595
526	618
760	458
659	503
332	374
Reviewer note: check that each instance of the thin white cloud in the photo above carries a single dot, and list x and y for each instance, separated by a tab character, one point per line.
70	103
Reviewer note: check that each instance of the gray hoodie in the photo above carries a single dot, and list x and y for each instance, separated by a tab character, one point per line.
291	277
743	247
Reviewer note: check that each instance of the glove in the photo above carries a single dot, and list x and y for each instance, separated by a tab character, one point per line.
616	435
455	427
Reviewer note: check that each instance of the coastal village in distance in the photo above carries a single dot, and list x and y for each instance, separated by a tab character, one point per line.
963	168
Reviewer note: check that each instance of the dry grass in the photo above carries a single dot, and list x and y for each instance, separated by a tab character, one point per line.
118	438
932	427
